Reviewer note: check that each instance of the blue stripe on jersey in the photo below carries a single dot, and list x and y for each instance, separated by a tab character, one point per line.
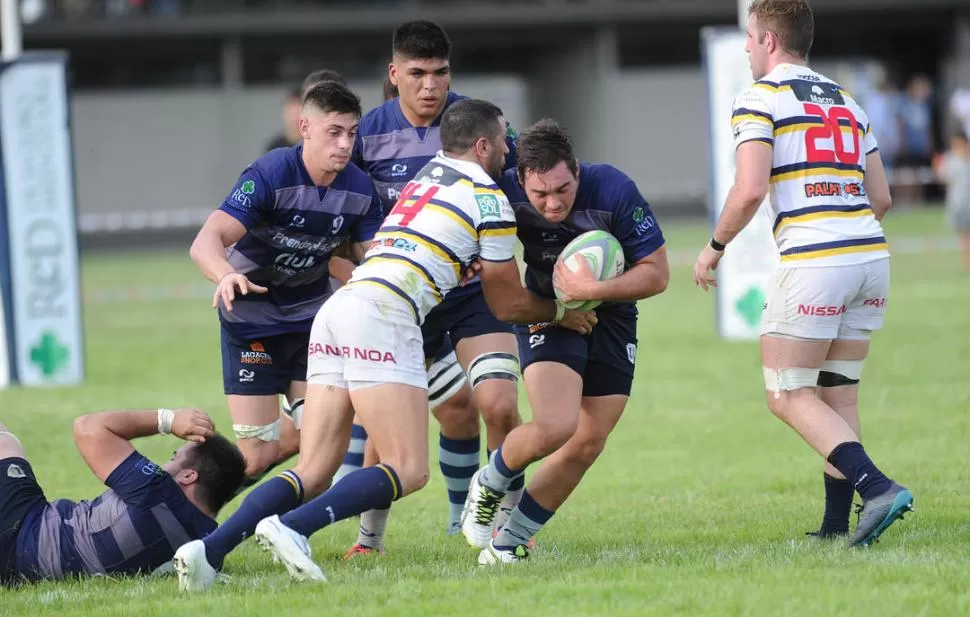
391	229
784	169
824	246
109	552
744	111
793	120
496	225
416	265
392	287
454	210
780	219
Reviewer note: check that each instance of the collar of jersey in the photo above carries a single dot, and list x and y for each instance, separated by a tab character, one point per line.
472	170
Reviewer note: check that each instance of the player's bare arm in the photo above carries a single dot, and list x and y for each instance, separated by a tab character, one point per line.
511	302
103	438
208	251
648	277
877	185
742	203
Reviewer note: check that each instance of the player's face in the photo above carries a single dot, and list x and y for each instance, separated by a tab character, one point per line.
328	138
422	84
179	460
492	152
757	48
552	193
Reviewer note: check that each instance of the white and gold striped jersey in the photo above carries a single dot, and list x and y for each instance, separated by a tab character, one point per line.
450	214
819	138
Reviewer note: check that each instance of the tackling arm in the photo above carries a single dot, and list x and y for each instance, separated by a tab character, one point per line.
509	300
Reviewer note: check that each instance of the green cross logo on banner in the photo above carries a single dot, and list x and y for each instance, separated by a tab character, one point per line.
48	354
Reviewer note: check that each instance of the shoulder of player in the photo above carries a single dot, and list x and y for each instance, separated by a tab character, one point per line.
378	120
602	176
279	168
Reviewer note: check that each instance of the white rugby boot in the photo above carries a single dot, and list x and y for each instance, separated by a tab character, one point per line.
290	548
491	556
478	517
193	569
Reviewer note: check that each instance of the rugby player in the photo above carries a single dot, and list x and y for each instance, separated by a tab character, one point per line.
367	351
395	141
136	525
267	248
805	142
578	385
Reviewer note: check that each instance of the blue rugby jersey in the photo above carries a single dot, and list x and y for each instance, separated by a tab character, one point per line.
606	199
293	226
134	527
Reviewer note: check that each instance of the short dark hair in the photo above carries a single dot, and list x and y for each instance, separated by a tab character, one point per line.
542	146
467	121
221	468
321	76
792	21
332	96
421	40
389	90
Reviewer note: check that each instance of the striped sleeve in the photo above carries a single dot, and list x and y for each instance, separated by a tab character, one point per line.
496	226
751	118
869	143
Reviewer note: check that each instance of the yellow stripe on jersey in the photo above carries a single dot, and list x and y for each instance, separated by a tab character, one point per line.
751	118
497	231
844	250
481	188
421	242
386	287
804	126
816	216
817	171
771	87
411	266
462	222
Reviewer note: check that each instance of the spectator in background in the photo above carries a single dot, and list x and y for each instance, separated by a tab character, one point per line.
953	169
917	118
882	107
960	109
290	135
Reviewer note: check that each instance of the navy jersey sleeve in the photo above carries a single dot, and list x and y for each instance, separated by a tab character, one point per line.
367	228
141	483
250	200
511	139
634	224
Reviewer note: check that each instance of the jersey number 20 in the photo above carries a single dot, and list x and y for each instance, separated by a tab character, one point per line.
832	129
408	209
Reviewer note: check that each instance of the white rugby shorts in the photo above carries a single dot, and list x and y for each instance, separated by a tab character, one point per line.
365	335
827	303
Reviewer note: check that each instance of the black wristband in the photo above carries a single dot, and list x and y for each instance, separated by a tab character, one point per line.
717	246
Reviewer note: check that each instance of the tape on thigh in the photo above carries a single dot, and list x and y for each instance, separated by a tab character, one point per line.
266	432
780	380
494	365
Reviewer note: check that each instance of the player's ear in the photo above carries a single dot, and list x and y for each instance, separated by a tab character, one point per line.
187	477
304	127
392	73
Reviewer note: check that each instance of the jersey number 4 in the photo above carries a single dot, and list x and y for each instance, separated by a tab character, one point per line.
834	129
407	207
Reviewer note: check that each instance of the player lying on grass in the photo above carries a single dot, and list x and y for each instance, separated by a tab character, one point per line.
135	526
578	383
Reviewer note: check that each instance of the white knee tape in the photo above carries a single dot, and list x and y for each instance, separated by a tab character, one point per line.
494	365
780	380
267	432
11	436
294	411
445	379
847	368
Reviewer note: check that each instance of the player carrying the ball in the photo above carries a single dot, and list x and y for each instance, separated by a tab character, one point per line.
578	384
806	143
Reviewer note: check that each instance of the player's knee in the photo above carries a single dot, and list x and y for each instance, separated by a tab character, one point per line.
785	387
458	417
553	434
413	474
259	453
585	451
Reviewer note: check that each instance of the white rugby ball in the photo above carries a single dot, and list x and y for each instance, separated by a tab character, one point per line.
604	254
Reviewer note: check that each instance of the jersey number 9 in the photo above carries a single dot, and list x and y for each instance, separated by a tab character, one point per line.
831	128
407	207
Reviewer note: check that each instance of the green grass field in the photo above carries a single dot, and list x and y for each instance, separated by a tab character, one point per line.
698	506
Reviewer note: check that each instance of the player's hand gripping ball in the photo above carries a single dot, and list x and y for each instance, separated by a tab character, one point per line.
604	256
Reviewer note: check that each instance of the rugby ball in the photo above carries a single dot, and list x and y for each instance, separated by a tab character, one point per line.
604	255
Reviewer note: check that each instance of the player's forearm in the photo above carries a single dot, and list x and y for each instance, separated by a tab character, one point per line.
639	282
739	208
125	424
527	308
209	254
